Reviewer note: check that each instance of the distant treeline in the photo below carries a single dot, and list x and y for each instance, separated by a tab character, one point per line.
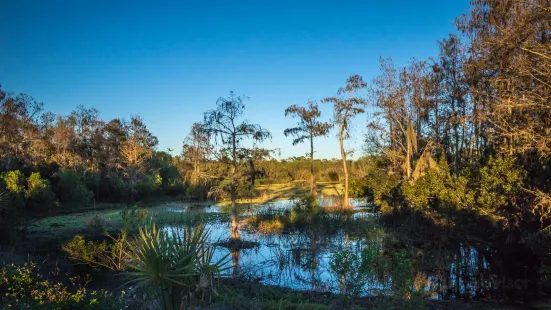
50	161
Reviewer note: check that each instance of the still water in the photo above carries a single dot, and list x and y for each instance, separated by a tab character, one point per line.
355	254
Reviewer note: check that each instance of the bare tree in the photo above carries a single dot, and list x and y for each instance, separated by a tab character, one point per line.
344	109
309	127
229	131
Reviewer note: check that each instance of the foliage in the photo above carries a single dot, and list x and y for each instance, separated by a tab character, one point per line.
500	184
439	189
226	126
32	192
97	223
309	127
14	182
174	268
149	185
72	188
304	210
132	218
359	188
23	287
38	193
270	226
348	265
112	255
344	110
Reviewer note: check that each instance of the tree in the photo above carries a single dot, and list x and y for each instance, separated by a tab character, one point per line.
18	116
455	103
511	70
224	124
196	150
136	152
309	127
344	110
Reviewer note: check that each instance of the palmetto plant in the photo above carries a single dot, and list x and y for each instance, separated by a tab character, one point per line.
174	267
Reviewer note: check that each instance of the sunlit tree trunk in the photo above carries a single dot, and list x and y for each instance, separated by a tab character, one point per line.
346	202
312	173
234	213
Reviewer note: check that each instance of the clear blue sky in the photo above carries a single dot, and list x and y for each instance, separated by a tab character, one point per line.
169	62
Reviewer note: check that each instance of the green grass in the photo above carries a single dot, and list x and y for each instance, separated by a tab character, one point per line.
291	190
64	227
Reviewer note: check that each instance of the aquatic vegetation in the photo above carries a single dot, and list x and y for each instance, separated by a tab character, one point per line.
272	226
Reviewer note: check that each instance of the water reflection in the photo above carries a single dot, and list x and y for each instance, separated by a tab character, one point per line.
352	254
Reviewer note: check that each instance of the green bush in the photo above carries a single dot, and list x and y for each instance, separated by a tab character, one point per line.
500	184
33	193
149	185
14	181
439	189
113	255
22	287
72	188
358	188
304	210
132	218
38	193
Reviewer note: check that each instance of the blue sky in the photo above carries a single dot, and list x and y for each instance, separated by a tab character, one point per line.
169	61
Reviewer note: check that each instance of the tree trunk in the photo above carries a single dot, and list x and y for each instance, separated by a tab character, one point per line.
312	174
234	214
346	203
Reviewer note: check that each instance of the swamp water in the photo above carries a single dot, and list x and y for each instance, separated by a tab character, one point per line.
353	254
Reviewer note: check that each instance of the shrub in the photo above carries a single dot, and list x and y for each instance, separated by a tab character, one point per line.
14	182
22	287
500	183
304	210
112	255
439	189
149	185
38	193
96	223
175	269
359	188
132	218
72	188
333	176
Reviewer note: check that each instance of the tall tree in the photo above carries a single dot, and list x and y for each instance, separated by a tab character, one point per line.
510	45
309	127
136	152
18	117
196	149
344	110
455	101
229	131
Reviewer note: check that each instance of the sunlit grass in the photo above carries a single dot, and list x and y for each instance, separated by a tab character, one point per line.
291	190
271	226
